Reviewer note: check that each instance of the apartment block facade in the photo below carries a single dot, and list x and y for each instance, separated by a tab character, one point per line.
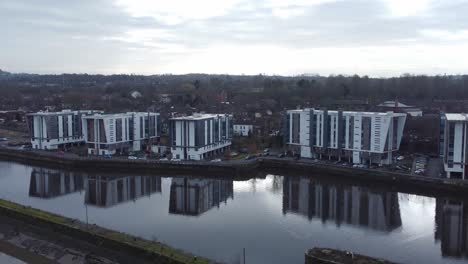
55	130
200	136
453	144
357	137
112	133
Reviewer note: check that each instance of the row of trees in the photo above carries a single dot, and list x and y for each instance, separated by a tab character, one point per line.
201	89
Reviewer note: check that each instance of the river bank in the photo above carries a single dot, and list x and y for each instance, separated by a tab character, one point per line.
241	170
48	236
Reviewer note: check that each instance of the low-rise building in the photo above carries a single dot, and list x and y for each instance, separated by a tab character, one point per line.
200	136
357	137
54	130
454	131
400	108
112	133
243	130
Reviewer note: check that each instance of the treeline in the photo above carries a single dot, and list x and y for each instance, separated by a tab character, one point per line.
197	89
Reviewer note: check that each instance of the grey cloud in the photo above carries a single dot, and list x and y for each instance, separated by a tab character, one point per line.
88	35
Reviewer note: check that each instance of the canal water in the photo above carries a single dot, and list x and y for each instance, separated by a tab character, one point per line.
276	219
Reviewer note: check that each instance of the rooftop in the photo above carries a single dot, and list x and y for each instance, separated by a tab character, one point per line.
349	112
116	115
457	117
67	111
394	104
196	117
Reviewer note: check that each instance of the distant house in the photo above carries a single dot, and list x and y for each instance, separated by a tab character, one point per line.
401	108
135	95
165	98
243	130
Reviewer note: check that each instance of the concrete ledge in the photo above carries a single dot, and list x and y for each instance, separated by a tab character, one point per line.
152	251
135	166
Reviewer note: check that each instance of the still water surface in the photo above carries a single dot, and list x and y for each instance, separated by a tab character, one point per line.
275	219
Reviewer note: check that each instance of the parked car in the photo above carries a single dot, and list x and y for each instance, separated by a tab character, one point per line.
108	156
216	160
26	147
400	158
175	160
249	157
132	158
243	150
281	155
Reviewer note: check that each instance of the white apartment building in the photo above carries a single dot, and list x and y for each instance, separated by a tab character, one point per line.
112	133
358	137
243	130
200	136
54	130
453	144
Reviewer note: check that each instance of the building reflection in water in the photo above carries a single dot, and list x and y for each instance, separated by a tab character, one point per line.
452	227
106	191
341	203
191	196
50	183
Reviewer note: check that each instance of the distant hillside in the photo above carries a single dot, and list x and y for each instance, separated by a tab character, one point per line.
4	72
5	75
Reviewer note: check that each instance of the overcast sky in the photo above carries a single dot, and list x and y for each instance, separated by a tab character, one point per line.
287	37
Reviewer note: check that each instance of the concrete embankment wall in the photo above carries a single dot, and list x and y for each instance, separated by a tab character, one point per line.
133	166
153	252
240	170
402	182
